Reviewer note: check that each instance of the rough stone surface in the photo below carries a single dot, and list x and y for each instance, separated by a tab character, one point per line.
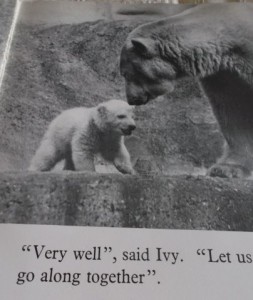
180	202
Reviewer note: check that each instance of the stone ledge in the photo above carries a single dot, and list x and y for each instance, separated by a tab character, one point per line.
71	198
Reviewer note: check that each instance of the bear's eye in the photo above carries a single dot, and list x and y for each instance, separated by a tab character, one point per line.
121	116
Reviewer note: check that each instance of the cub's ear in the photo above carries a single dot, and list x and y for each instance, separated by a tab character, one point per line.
144	46
102	110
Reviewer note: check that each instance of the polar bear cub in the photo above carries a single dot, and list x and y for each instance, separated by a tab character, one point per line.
78	134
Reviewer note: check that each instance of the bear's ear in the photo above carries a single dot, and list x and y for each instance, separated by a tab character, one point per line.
144	46
102	110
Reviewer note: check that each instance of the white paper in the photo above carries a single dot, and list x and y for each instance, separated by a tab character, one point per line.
139	263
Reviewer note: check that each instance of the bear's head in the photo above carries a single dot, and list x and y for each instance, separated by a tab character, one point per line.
115	117
157	54
147	74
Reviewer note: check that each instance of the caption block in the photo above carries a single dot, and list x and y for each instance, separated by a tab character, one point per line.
107	263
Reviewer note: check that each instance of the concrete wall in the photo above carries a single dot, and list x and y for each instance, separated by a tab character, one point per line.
182	202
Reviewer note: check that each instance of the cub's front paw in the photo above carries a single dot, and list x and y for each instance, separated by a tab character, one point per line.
228	171
132	172
124	168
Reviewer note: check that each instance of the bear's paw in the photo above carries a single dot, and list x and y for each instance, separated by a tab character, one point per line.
228	171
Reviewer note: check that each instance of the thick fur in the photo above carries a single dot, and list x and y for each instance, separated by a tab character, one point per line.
213	42
78	134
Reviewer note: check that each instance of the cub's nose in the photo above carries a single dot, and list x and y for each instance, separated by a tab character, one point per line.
131	127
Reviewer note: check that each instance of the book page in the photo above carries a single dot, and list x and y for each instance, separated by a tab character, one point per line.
62	262
126	138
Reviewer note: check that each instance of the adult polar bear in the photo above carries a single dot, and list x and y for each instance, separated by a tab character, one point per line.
213	42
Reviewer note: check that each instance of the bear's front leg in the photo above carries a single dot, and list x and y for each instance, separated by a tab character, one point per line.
83	161
82	156
228	171
231	99
122	161
232	165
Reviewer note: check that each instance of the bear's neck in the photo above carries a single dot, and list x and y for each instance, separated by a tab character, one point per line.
206	59
102	131
202	56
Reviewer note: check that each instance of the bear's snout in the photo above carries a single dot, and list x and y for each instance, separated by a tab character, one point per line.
132	127
128	130
137	100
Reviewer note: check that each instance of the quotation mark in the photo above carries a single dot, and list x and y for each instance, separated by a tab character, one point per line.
26	248
108	249
151	272
201	251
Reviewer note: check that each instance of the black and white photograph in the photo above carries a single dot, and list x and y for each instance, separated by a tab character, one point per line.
127	115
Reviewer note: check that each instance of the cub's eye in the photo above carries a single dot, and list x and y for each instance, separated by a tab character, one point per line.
121	116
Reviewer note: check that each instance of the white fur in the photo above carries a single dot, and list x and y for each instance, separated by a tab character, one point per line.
77	134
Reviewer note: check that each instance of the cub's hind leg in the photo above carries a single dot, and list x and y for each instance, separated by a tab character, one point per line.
45	158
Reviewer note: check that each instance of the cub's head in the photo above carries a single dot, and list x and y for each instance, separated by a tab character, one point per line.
116	117
147	73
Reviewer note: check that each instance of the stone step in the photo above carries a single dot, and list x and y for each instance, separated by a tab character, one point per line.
73	198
